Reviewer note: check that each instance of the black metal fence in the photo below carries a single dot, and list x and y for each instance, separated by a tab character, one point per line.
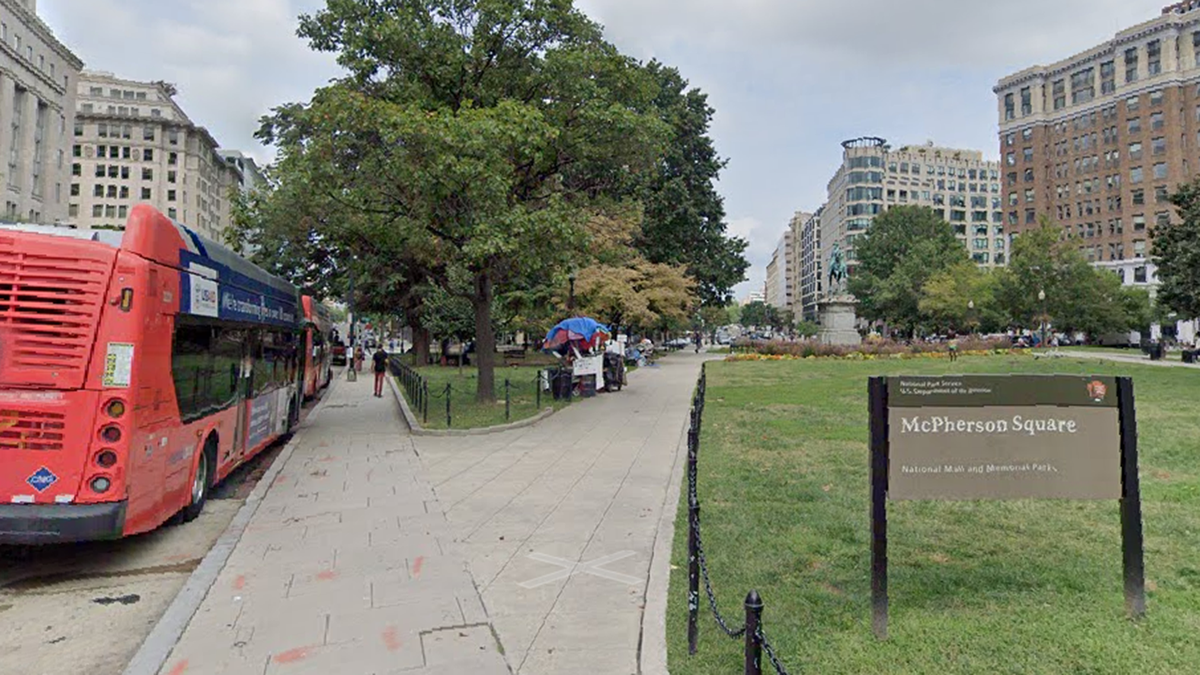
416	390
756	642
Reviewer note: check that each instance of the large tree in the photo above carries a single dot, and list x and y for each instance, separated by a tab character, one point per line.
960	297
483	132
684	214
1078	296
1177	255
905	248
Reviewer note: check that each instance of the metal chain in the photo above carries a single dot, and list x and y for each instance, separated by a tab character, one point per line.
712	597
766	645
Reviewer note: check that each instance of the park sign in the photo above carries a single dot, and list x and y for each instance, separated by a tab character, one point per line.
1003	437
989	437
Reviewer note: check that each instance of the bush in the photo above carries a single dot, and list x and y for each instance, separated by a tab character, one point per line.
872	346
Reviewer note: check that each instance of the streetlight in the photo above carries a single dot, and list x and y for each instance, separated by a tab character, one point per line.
1042	299
971	316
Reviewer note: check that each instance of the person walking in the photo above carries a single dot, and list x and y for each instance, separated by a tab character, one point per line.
699	338
954	348
380	359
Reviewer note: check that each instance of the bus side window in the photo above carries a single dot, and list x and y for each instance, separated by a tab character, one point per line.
227	358
190	365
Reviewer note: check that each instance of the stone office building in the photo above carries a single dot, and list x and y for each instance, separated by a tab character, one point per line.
133	144
37	103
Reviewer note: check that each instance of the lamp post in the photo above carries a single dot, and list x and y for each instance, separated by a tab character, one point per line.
1042	299
971	316
571	297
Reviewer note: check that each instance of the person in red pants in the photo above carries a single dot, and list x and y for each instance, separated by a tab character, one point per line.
380	359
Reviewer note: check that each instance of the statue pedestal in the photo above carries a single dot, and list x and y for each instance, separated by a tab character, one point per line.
837	323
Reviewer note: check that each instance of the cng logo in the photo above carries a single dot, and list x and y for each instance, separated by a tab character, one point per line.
42	479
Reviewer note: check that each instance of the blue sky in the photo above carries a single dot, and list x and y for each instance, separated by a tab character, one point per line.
790	79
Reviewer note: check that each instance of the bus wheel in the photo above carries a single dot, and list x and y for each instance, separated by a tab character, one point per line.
206	469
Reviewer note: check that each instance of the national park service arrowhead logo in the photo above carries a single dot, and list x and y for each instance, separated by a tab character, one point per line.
1097	390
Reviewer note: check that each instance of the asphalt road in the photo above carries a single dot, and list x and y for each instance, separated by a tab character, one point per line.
86	608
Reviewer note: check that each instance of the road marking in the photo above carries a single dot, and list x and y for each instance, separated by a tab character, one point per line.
571	568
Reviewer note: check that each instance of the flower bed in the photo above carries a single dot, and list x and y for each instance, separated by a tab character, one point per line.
870	349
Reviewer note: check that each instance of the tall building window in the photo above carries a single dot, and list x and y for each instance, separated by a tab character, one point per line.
1135	125
1135	151
1160	171
1135	175
1139	197
14	150
1131	64
146	193
1026	101
1196	48
1156	97
1156	120
39	146
1083	86
1060	94
1158	146
1154	57
1108	77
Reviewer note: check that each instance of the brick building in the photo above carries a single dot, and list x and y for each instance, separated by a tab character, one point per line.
1096	142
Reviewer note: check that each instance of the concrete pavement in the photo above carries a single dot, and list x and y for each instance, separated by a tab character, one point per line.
560	522
533	551
341	569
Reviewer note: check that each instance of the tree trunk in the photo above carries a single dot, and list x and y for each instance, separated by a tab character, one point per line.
485	339
420	338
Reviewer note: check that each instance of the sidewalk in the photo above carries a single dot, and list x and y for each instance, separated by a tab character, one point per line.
1140	360
342	567
560	524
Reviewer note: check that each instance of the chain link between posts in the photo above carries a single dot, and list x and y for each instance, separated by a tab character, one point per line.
697	412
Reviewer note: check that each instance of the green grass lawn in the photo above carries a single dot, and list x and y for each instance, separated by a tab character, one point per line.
465	412
975	587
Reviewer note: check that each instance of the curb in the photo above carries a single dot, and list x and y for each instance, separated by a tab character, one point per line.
652	653
158	645
417	430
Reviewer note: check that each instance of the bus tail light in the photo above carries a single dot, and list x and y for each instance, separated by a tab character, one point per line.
111	434
100	484
106	459
115	408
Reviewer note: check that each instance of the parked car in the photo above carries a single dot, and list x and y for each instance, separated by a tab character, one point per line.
339	353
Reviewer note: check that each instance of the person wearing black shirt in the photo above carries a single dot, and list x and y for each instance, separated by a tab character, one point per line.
380	358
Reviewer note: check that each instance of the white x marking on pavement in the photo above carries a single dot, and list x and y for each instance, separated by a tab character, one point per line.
571	568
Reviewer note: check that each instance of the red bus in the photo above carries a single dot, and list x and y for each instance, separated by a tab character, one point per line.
318	346
137	369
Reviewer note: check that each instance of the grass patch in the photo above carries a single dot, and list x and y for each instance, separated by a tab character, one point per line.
465	412
976	587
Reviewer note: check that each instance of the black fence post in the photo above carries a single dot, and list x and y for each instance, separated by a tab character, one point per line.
537	388
425	402
693	568
449	392
507	402
754	608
